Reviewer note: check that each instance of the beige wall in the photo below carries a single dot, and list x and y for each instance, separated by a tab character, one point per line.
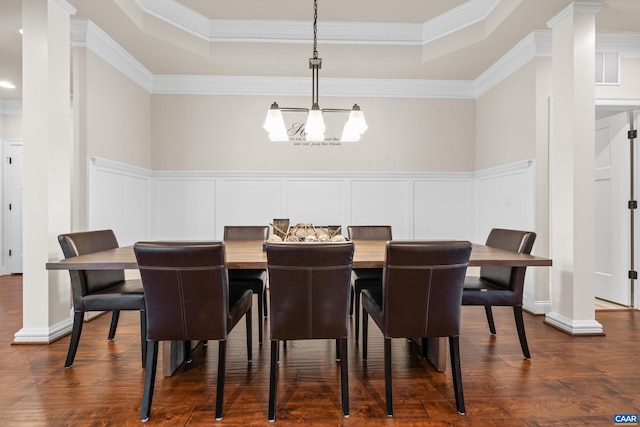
224	133
505	118
118	115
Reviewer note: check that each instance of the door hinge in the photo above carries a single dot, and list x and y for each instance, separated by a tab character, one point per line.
9	158
9	252
10	206
632	134
633	204
633	274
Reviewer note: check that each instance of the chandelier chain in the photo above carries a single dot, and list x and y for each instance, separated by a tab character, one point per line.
315	29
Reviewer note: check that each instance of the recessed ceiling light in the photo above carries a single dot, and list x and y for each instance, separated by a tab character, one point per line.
20	30
7	85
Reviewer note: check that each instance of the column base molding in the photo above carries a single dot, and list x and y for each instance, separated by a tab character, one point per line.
43	335
573	327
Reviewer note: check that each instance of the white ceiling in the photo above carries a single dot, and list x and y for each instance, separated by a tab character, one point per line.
400	39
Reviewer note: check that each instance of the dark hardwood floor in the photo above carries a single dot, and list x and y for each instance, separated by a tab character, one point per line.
569	381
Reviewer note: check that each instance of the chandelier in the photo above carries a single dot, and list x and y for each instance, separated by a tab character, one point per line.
314	127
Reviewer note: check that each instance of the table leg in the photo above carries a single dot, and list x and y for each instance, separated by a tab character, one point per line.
435	351
173	356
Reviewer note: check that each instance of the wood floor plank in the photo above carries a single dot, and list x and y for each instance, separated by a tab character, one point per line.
570	381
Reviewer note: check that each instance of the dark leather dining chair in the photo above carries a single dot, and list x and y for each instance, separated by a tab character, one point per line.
421	296
309	286
502	286
188	298
253	279
365	278
100	290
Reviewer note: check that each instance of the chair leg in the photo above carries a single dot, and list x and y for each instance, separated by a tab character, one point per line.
260	318
187	350
388	386
344	375
115	315
351	295
264	303
356	309
365	332
149	379
517	313
454	350
273	379
489	313
78	318
338	355
249	334
143	336
222	364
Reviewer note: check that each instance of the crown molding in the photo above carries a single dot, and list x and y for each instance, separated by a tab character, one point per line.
68	7
290	31
300	86
537	43
626	44
178	15
456	19
84	33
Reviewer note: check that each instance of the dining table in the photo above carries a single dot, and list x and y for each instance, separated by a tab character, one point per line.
250	254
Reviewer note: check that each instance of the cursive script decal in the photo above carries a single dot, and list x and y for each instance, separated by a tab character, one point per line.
298	136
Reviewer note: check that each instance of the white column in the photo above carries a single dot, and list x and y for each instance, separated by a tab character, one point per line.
46	174
572	153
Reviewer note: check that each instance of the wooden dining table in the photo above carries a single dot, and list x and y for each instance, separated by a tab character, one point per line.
250	254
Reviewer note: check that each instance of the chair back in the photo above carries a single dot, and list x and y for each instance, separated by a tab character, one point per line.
369	232
309	287
422	288
246	232
511	278
185	289
85	282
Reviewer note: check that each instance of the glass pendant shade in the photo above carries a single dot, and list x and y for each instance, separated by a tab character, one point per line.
349	135
274	124
356	125
315	124
356	120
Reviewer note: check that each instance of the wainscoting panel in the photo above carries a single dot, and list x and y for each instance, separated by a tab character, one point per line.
442	209
386	202
119	199
317	201
141	204
186	209
250	201
505	198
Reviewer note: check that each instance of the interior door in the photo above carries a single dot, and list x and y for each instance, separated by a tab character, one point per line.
612	193
14	200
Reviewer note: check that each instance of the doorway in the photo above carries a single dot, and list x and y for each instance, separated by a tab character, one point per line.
615	217
12	209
